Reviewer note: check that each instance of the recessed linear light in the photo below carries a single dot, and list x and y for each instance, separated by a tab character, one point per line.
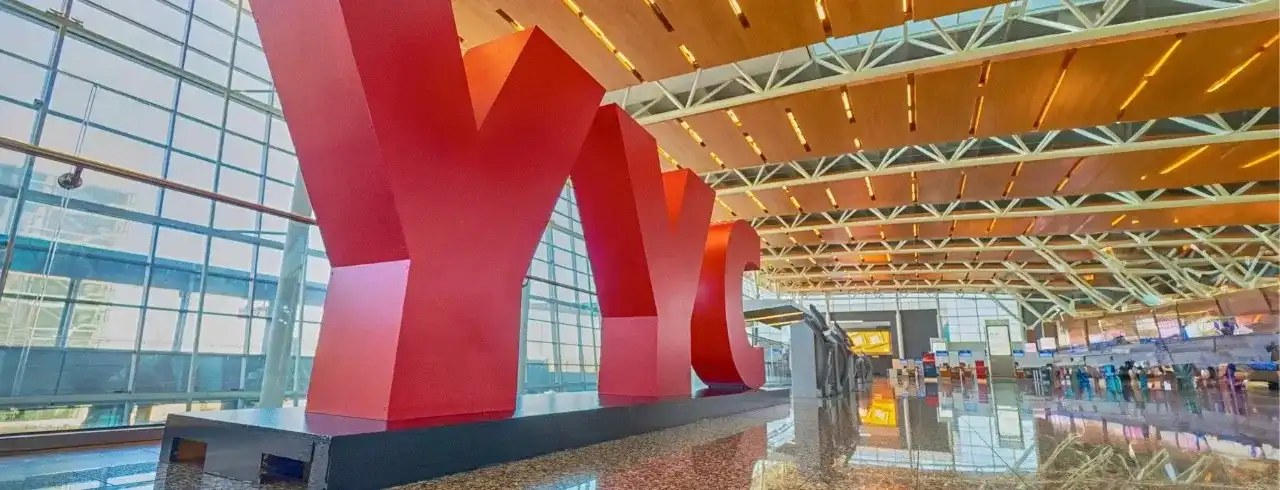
915	194
667	156
964	179
822	17
514	25
832	199
1151	72
792	198
977	115
1117	220
694	134
870	191
737	10
751	142
848	108
733	117
1065	178
1048	102
911	101
1261	159
688	56
726	207
795	127
717	159
757	201
599	34
1236	71
1185	158
657	12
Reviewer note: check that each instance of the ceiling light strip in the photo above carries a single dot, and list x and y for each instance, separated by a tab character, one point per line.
1151	72
787	190
1261	159
688	56
595	30
737	10
822	17
848	108
726	207
657	12
915	188
757	201
795	127
751	142
692	134
667	156
1187	157
911	101
1239	68
1048	102
1065	178
832	199
514	25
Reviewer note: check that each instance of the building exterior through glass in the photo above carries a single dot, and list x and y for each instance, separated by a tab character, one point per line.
122	301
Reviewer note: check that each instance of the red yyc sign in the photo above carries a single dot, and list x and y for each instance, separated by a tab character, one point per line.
433	175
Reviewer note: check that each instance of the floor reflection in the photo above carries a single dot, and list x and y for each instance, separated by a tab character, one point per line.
997	435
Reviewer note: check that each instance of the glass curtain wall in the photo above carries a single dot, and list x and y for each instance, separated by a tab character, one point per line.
123	302
961	315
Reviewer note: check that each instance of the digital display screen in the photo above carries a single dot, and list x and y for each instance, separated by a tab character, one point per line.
870	342
882	412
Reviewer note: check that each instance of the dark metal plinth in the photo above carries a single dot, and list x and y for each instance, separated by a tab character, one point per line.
327	451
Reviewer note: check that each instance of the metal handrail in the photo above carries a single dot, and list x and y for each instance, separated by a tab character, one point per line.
133	175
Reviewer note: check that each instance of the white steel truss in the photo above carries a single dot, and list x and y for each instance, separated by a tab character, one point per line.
1141	241
1155	134
892	53
1139	268
1127	202
1167	264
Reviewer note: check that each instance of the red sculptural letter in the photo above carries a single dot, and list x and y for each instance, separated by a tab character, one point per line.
432	178
722	355
645	232
432	175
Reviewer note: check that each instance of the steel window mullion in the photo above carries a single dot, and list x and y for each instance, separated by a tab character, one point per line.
82	34
213	210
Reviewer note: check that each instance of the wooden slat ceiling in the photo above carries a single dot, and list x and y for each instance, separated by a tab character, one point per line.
1135	171
709	29
1097	81
1143	220
1087	86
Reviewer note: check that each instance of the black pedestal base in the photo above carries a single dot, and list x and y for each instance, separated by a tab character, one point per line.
326	451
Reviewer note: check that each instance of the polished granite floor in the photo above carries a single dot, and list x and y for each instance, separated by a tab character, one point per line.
998	435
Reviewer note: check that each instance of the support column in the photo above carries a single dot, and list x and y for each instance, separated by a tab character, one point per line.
523	368
284	307
897	325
